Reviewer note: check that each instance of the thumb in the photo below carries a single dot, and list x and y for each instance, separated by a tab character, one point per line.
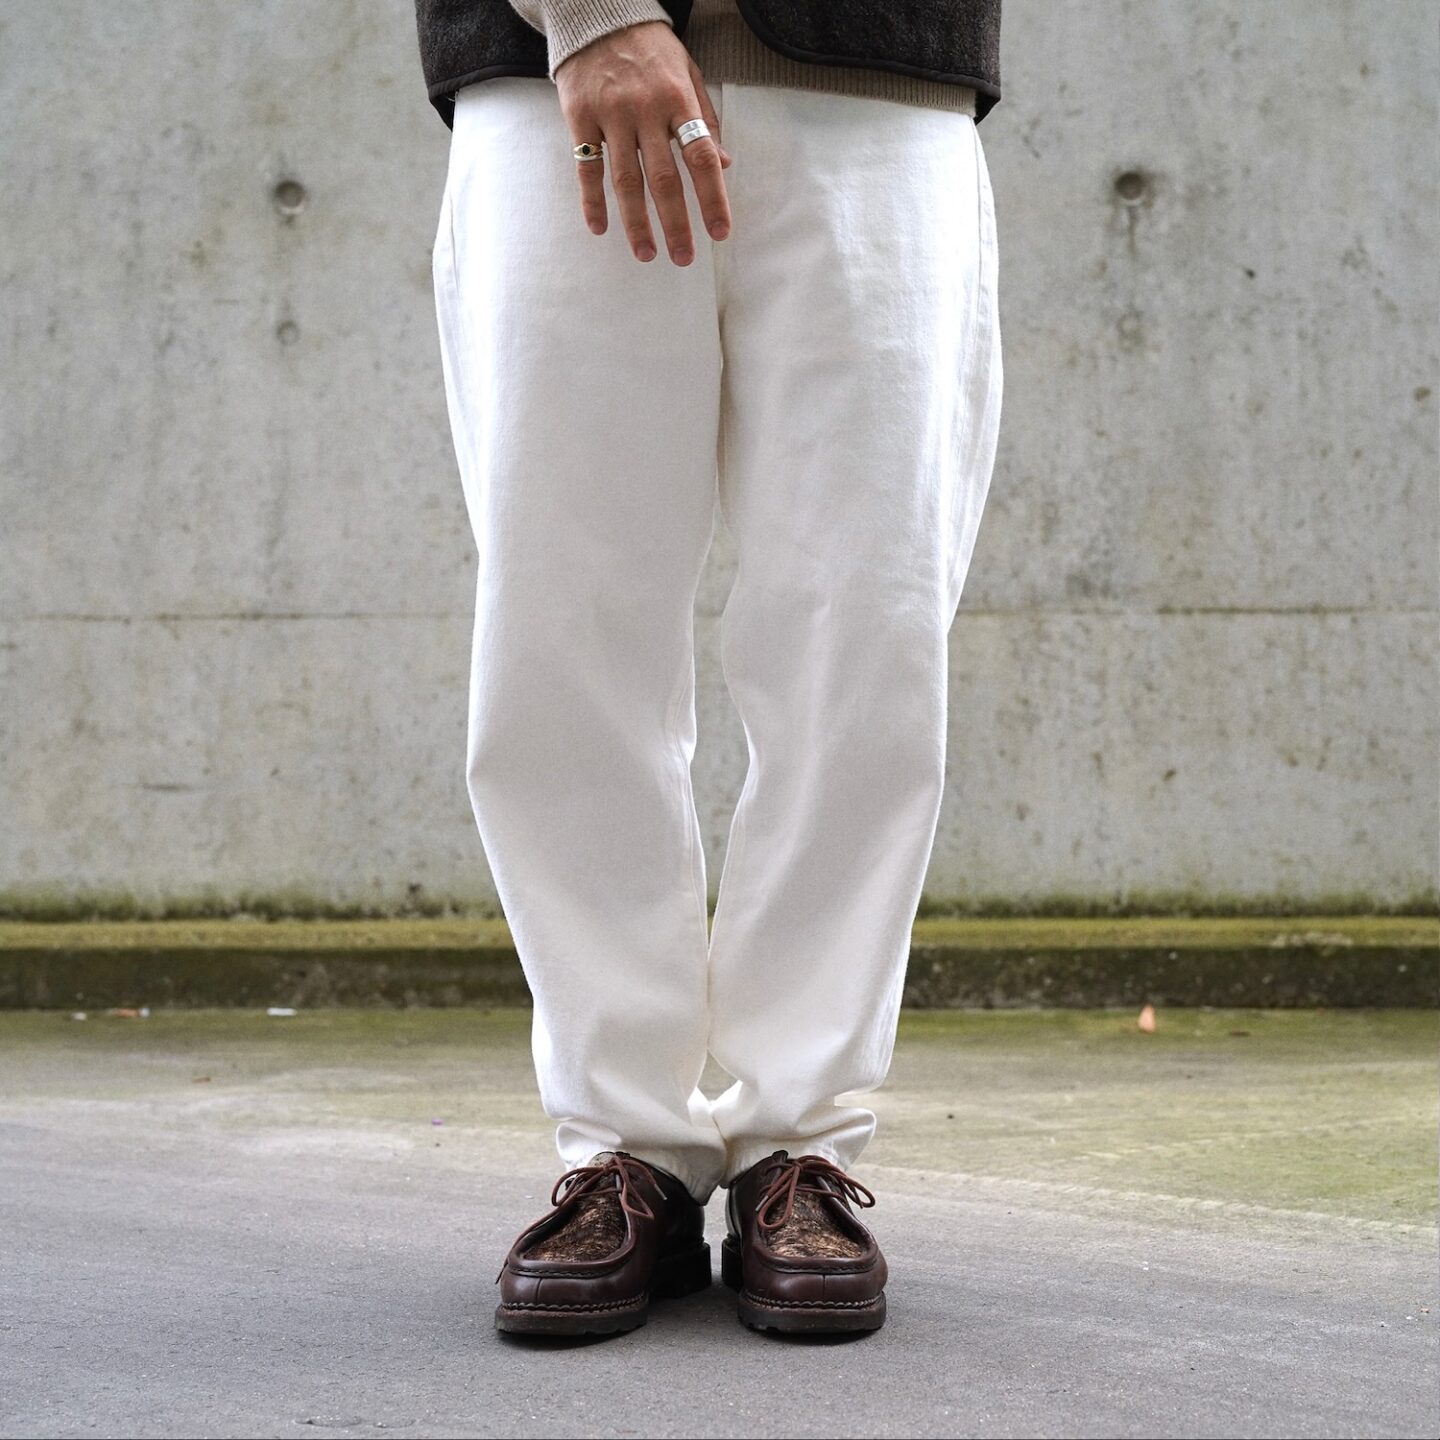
707	111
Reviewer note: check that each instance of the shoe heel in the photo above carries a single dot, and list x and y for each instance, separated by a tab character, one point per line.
681	1274
730	1270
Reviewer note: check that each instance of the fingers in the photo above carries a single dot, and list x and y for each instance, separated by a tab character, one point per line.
627	180
706	161
667	189
591	174
642	155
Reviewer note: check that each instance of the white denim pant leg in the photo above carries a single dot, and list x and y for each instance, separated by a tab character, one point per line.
855	311
861	401
583	390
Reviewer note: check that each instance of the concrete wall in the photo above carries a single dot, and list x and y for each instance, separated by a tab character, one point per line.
1196	658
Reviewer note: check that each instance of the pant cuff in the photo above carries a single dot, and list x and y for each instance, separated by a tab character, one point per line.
700	1183
751	1152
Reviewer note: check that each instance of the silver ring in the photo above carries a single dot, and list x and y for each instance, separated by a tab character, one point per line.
587	150
690	131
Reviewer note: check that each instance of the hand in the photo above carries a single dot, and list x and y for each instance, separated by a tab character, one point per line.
632	89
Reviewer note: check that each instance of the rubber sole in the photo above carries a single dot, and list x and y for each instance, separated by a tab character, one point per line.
813	1318
683	1273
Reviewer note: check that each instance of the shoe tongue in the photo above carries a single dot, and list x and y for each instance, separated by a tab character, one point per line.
607	1191
591	1225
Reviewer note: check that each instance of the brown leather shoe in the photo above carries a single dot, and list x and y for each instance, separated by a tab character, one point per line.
796	1252
621	1234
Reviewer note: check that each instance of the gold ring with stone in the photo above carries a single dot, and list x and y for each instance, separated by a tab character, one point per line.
590	150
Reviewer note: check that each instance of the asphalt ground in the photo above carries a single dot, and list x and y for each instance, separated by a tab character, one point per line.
229	1224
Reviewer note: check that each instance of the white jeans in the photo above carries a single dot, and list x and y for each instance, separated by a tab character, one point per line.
833	369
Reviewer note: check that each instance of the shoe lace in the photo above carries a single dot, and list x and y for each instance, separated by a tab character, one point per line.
620	1170
788	1180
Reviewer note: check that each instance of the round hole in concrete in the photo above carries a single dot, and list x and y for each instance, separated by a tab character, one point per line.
1132	186
289	197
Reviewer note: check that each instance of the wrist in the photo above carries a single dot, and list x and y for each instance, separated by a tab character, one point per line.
572	25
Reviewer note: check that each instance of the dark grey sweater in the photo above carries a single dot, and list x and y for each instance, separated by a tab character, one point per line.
951	41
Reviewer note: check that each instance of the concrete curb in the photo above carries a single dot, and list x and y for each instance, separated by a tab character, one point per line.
1289	962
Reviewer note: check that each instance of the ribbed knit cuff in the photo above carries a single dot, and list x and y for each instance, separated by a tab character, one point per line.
571	25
